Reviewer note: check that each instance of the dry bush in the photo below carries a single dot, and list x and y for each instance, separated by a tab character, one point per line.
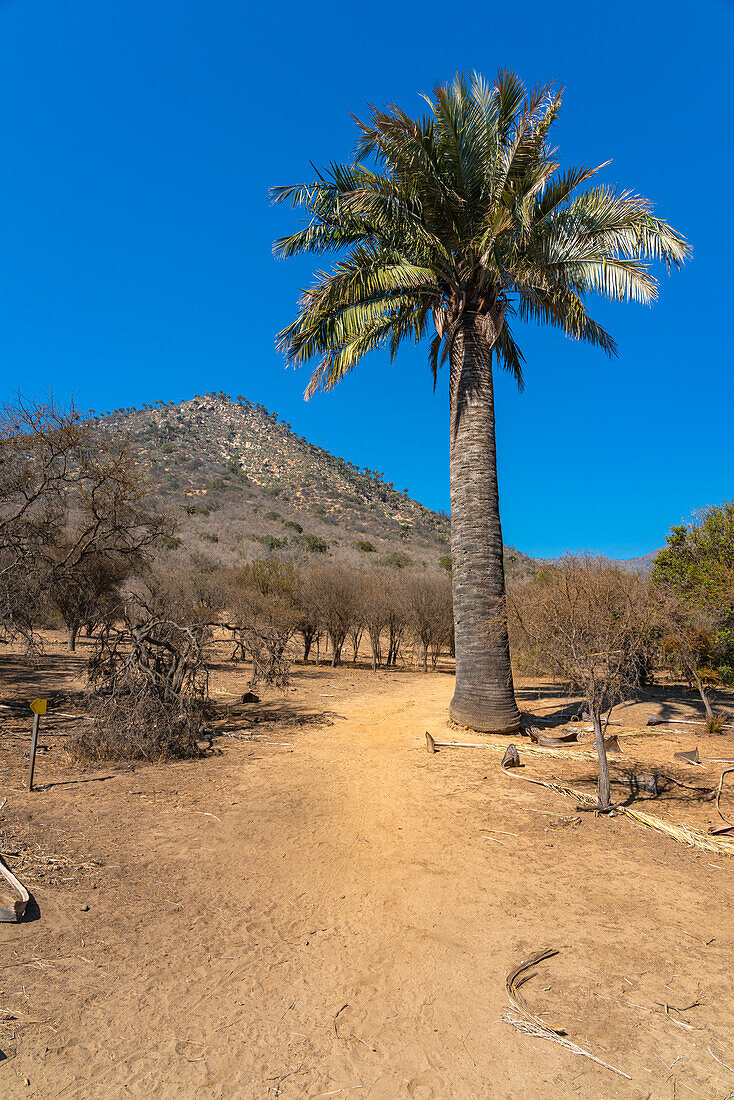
592	624
72	503
149	673
331	592
429	613
264	615
139	725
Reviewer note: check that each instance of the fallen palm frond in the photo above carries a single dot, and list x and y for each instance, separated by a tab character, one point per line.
726	771
681	833
522	1019
531	750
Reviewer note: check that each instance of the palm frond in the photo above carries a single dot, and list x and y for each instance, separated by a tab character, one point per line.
463	205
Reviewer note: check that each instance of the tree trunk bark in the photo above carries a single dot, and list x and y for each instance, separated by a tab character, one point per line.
73	629
605	789
484	698
704	695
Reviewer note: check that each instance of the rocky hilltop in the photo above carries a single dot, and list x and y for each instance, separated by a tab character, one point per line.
242	483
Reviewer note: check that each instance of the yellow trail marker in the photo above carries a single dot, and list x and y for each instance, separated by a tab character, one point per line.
38	706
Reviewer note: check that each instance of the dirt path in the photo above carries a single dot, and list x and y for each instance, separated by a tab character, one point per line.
330	920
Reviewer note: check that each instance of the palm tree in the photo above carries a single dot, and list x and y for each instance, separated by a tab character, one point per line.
463	222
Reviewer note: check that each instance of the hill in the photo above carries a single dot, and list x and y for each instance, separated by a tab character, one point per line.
241	483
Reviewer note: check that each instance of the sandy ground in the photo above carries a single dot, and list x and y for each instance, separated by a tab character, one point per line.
336	916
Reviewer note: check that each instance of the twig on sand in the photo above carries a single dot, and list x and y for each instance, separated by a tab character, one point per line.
522	1019
203	813
726	771
346	1038
719	1060
680	1023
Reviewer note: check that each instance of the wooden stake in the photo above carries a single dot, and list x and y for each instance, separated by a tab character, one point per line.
34	741
38	706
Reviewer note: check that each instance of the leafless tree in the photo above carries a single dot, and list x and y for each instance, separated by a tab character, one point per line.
86	594
331	590
688	641
264	615
376	614
68	495
428	611
589	622
149	673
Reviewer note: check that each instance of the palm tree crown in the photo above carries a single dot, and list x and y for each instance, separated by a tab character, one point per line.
466	209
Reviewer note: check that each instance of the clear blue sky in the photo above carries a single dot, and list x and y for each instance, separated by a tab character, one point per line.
138	144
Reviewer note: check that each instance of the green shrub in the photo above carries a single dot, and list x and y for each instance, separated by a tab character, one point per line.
208	537
445	562
395	560
314	544
168	542
271	541
365	546
293	526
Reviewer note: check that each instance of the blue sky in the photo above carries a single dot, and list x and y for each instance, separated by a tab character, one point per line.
139	140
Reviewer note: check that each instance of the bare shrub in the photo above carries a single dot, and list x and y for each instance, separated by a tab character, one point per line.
150	675
71	503
331	591
428	610
589	622
139	725
264	615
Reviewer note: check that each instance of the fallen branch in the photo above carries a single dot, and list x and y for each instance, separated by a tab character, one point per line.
522	1019
12	905
726	771
531	750
682	833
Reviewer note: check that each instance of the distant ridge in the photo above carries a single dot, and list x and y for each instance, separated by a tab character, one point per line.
642	564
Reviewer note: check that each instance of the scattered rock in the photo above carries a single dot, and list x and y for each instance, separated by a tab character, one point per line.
250	697
203	746
83	908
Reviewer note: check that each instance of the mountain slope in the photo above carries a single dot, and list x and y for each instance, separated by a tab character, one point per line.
242	484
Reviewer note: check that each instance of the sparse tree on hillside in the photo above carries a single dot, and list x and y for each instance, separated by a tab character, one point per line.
463	223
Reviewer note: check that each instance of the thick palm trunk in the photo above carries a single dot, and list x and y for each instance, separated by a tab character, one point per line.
484	698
